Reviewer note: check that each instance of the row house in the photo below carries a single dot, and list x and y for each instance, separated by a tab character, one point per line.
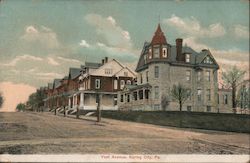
81	86
160	66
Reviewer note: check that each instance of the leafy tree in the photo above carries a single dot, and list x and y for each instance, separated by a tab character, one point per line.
180	94
232	78
1	99
35	100
20	107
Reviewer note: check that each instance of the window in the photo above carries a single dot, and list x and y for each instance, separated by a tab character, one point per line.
199	76
115	100
208	108
141	78
108	71
208	75
135	96
125	73
189	94
150	53
146	93
164	52
147	76
156	92
122	98
122	83
189	108
188	75
140	94
208	60
128	82
187	58
225	99
115	84
157	107
199	91
156	52
97	83
208	94
128	98
156	71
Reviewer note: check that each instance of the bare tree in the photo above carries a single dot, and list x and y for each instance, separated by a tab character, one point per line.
180	94
232	78
164	102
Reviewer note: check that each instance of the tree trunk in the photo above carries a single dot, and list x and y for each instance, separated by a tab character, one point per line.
180	105
234	95
64	109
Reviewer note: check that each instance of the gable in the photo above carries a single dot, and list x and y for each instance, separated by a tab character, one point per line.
108	69
125	72
208	60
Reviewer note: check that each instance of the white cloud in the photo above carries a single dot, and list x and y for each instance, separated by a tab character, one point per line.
241	31
192	42
45	36
52	61
14	94
84	43
108	28
68	59
20	58
192	27
50	75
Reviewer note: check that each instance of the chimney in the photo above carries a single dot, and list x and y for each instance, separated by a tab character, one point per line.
179	49
102	61
106	59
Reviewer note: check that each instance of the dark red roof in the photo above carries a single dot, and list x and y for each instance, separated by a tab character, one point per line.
159	37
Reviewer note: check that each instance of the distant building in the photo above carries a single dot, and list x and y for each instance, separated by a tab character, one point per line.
162	65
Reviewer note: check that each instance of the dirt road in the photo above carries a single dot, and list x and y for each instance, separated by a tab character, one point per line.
40	133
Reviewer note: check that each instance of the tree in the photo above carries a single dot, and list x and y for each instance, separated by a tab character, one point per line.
232	78
164	102
20	107
1	99
180	94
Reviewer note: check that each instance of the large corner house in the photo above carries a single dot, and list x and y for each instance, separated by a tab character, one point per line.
160	66
80	87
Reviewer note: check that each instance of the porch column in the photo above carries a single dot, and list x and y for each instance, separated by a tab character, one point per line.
82	100
69	103
73	101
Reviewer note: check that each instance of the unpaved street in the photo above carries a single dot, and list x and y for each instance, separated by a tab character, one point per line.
39	133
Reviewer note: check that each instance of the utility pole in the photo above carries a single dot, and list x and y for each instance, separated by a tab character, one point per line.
98	107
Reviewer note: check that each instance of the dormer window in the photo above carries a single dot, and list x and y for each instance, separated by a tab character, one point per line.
156	51
164	52
187	58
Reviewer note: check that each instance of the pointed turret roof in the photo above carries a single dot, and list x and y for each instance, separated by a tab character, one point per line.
159	37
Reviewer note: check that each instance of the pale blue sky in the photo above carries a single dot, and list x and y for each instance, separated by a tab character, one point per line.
41	39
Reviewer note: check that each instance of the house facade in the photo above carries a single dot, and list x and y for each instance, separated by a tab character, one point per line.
162	65
106	80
